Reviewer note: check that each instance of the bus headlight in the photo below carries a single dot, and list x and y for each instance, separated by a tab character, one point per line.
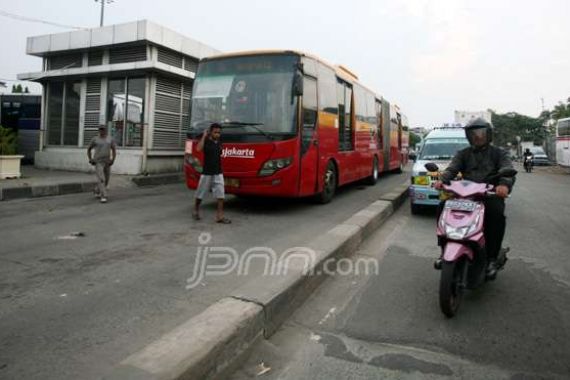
271	166
195	163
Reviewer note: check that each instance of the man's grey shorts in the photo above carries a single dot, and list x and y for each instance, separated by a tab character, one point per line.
214	183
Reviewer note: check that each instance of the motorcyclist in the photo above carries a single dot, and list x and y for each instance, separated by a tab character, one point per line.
527	154
477	163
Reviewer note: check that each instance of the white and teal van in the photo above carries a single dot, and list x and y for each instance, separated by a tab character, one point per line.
439	146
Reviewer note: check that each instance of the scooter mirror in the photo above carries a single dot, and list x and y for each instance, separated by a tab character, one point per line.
430	166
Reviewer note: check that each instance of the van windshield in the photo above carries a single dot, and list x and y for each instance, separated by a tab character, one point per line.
442	149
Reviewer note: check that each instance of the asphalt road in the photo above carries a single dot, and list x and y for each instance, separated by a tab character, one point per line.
388	325
71	307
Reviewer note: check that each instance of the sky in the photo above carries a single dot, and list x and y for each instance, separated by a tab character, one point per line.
431	57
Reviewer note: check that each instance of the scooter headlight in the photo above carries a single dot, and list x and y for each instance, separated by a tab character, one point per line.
456	233
459	233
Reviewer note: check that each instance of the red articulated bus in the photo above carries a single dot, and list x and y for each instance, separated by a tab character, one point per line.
292	125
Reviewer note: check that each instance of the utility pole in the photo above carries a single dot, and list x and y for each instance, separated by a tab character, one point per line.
103	9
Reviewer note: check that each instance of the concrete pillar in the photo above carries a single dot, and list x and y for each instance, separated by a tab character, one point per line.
151	91
103	101
43	117
105	60
146	126
82	105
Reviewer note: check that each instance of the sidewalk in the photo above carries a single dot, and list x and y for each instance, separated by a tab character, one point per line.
43	182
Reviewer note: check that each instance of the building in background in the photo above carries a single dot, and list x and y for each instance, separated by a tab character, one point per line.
464	117
136	78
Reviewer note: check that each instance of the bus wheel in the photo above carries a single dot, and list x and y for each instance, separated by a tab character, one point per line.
329	187
371	181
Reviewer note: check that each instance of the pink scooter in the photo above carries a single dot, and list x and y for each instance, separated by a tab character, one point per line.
460	232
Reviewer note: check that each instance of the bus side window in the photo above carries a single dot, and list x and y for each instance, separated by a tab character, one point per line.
309	112
327	90
344	96
348	127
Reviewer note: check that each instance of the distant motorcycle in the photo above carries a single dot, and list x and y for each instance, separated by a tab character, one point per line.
528	163
460	230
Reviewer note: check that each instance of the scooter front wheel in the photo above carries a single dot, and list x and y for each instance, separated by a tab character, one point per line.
451	287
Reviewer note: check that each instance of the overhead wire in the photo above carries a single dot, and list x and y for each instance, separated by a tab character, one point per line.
37	20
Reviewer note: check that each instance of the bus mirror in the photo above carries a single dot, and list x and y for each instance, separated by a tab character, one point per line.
298	84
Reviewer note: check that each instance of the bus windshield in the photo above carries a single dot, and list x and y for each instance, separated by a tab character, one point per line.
252	97
442	149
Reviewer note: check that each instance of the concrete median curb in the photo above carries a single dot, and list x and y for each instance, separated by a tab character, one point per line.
209	345
200	348
158	179
35	191
48	190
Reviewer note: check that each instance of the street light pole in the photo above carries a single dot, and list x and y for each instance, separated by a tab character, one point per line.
103	10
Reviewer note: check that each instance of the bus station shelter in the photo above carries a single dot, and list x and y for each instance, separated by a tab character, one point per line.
135	78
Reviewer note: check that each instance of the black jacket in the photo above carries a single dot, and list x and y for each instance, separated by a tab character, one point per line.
477	164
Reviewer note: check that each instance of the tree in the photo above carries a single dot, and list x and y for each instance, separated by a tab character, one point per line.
17	89
27	90
510	125
561	110
414	139
7	141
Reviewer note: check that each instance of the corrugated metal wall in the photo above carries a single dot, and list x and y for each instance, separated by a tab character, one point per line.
171	109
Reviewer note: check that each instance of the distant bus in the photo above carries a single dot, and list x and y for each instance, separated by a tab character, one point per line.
22	113
563	142
293	125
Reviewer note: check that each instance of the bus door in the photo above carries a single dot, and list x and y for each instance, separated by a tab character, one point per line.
399	118
379	134
308	169
386	133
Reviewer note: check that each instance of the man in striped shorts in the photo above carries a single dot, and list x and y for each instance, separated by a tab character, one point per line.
212	178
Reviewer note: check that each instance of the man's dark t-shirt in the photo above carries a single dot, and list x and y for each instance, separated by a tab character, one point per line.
212	157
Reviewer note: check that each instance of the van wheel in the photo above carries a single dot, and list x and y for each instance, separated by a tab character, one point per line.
329	188
371	181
